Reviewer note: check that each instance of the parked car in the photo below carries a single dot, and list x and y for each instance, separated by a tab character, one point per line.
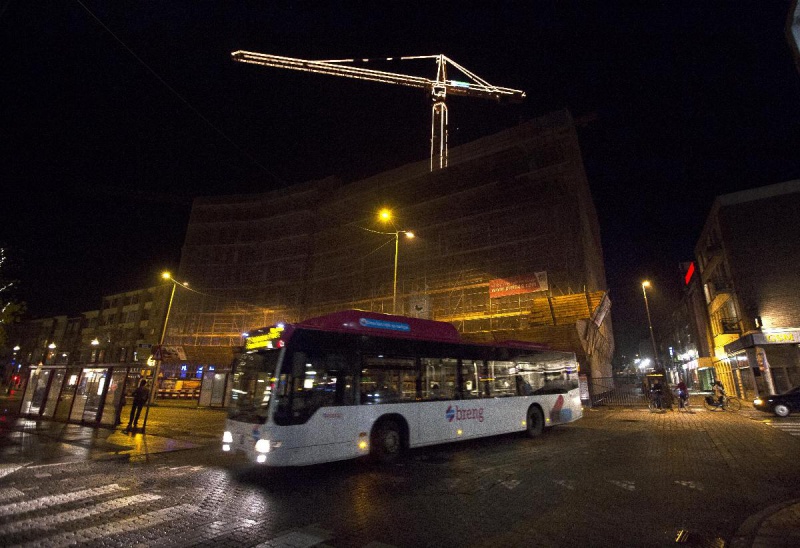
780	404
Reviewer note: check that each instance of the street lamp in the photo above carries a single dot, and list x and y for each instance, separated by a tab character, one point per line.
160	349
645	285
50	348
95	357
385	216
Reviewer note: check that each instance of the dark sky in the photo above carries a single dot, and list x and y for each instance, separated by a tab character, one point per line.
115	114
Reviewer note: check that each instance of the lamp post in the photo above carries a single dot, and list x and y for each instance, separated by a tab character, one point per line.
385	215
645	285
175	283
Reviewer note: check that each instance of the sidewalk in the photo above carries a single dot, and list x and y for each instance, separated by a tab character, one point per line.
170	427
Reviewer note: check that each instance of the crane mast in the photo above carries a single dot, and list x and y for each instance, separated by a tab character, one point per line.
438	88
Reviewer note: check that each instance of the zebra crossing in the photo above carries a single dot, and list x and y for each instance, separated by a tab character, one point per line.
67	505
790	424
61	505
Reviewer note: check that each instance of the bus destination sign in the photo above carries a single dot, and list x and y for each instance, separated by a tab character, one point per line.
264	340
383	324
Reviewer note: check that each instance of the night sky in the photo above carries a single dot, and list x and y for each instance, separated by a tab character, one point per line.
115	114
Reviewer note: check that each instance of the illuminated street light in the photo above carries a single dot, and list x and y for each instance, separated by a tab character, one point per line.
645	285
160	348
385	215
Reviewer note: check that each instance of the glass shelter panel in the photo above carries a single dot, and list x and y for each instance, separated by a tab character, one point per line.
35	391
53	394
112	407
67	395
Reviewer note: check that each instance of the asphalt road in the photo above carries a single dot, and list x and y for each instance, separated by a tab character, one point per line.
618	477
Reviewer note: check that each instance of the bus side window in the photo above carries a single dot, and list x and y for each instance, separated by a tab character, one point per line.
473	384
439	378
388	380
502	378
340	378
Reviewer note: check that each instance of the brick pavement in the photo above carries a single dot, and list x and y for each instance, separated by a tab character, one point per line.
718	456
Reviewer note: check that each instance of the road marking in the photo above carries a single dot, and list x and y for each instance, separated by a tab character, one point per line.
55	500
691	484
7	469
568	484
56	519
302	538
10	493
121	527
510	484
625	484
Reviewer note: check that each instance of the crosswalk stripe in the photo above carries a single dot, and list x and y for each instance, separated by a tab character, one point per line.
121	527
6	469
10	493
302	538
53	520
55	500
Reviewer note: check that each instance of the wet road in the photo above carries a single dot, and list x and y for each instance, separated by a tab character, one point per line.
617	477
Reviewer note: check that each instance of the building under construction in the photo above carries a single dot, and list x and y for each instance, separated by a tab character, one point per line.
507	246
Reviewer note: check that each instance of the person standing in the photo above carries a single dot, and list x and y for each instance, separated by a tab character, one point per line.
683	394
140	397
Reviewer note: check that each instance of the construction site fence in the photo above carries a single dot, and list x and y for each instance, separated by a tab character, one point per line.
625	391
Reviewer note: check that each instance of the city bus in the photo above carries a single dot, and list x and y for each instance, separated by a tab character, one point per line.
355	383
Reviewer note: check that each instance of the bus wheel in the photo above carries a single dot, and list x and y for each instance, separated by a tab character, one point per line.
387	443
535	423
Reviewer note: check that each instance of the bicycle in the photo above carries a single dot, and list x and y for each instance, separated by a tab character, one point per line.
659	402
729	403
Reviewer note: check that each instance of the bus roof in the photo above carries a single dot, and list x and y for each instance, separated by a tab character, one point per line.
385	325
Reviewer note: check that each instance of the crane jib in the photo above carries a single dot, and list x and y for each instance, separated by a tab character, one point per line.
438	87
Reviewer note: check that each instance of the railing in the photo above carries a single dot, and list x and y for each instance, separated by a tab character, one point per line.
625	391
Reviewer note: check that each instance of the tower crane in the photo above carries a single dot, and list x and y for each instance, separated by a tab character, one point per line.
439	87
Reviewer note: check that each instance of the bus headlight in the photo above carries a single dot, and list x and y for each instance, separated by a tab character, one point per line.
226	447
262	446
227	437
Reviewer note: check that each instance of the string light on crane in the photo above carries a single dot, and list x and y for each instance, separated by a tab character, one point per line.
439	88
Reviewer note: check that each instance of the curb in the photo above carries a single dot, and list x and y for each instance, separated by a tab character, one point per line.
748	532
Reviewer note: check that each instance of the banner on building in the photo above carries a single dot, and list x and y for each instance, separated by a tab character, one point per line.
601	310
168	353
528	283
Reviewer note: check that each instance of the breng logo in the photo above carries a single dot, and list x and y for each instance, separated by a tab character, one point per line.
459	414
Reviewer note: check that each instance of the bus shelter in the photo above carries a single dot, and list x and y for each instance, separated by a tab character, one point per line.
89	394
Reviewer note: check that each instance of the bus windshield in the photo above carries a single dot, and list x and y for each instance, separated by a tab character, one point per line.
253	385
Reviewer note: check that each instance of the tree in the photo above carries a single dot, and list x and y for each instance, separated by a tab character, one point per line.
10	309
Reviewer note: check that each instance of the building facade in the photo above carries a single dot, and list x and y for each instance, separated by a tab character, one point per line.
749	271
507	246
78	369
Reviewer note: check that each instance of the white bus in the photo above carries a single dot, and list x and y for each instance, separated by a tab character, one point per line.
356	383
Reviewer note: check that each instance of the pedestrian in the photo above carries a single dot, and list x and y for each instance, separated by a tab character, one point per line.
656	393
140	397
719	391
683	394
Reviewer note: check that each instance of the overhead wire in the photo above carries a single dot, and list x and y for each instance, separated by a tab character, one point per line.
180	97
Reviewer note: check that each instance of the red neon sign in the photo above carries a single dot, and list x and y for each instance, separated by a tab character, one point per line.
689	273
